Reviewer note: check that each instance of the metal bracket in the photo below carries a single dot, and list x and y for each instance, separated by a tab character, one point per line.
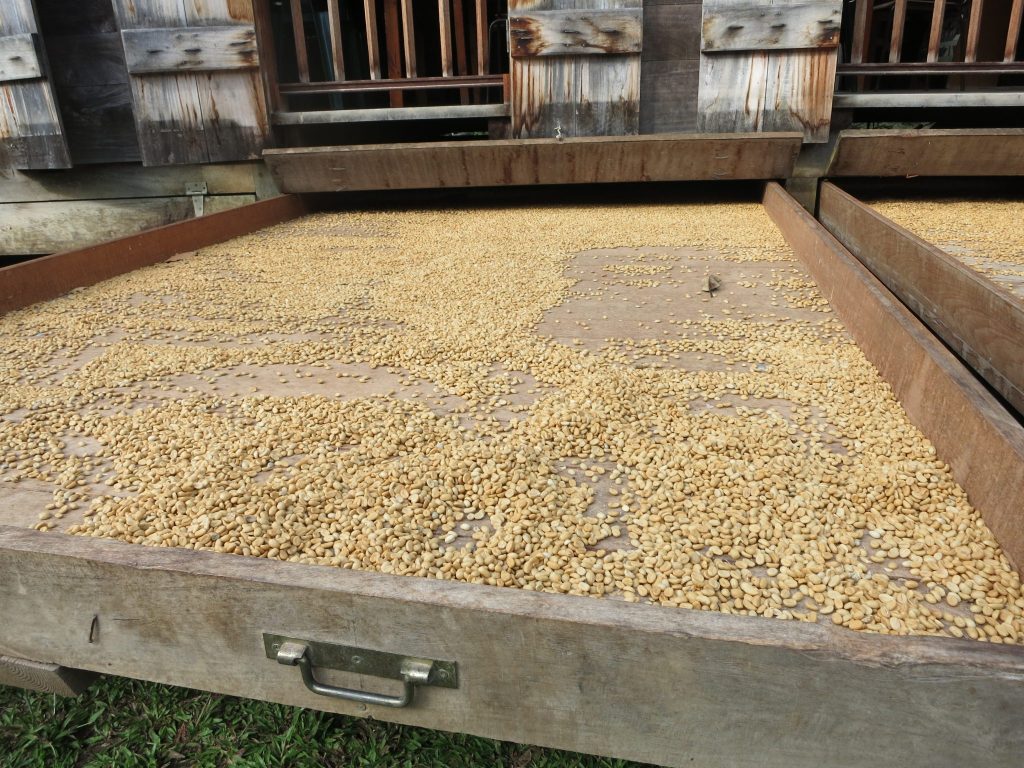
308	655
196	190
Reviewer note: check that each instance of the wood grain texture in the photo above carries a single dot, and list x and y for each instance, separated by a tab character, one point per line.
731	25
799	91
671	32
195	117
199	49
935	99
667	157
576	32
690	687
46	678
18	58
50	276
982	324
48	227
930	152
972	432
103	182
31	133
669	102
1013	30
732	92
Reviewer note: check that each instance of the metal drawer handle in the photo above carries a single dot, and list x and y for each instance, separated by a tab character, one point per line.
413	671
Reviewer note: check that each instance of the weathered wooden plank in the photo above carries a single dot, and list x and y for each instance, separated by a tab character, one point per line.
669	103
299	35
332	116
18	58
731	93
920	99
929	152
609	96
798	92
935	32
392	32
199	49
47	678
899	18
729	25
982	324
671	32
102	182
666	157
47	227
372	38
533	667
51	276
408	39
444	14
971	430
98	123
31	134
337	50
482	37
576	32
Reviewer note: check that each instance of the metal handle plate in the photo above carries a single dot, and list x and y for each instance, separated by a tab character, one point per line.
411	671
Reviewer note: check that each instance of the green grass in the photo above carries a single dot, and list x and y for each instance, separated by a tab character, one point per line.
127	724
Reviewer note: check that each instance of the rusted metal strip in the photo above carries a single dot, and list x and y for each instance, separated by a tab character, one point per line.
50	276
982	324
971	430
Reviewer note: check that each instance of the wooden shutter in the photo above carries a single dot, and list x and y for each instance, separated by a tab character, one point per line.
768	65
193	67
575	67
31	134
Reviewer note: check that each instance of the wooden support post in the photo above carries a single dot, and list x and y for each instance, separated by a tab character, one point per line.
299	32
444	18
974	30
268	54
392	26
1013	32
409	37
459	22
899	18
337	55
935	35
482	39
372	38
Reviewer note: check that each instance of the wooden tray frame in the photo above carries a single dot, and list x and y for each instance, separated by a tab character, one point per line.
669	686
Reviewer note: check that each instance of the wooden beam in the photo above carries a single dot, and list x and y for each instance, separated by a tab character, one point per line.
299	33
383	115
46	678
974	30
730	26
409	38
337	52
981	323
935	34
265	42
444	20
899	18
19	58
862	29
193	49
372	40
929	152
50	276
482	38
576	32
664	157
392	39
533	668
459	33
1013	31
972	432
934	99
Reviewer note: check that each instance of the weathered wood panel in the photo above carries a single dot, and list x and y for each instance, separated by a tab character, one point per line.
31	134
982	324
665	157
195	117
690	687
50	276
199	49
749	26
566	96
768	89
972	431
576	33
48	227
18	58
669	103
47	678
930	152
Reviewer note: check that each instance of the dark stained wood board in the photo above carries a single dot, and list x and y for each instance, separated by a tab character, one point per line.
667	157
47	678
50	276
929	152
981	323
974	433
670	65
670	686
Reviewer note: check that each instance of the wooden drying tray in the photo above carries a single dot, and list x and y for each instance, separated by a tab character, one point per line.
671	686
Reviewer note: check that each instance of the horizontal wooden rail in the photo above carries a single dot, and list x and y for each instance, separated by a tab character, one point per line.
934	99
388	114
937	68
405	84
